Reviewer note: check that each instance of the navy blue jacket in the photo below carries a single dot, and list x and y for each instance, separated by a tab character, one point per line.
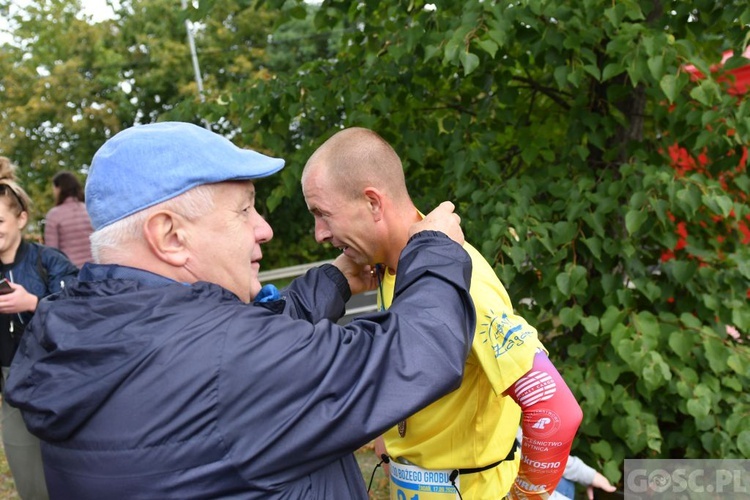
41	270
144	388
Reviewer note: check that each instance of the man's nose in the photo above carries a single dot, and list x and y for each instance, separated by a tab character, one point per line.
263	231
322	233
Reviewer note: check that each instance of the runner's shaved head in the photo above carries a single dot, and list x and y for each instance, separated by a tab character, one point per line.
356	158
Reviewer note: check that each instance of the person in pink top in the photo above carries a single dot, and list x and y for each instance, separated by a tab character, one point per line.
67	225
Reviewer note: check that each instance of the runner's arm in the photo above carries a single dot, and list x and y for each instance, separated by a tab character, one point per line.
550	419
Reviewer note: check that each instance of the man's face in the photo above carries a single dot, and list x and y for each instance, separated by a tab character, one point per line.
225	244
340	220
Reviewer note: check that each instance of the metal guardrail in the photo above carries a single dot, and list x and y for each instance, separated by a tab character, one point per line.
358	304
289	272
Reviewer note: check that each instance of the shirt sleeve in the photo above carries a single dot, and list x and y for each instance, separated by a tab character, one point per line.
550	420
577	471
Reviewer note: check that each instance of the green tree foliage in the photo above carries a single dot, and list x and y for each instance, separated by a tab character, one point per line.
69	83
549	123
54	104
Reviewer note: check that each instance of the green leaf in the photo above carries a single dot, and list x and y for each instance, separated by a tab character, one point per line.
593	70
716	354
725	205
648	326
669	87
656	66
691	197
719	204
595	246
594	394
733	383
452	49
656	372
570	316
430	51
634	219
682	270
611	70
575	76
563	283
611	317
635	435
591	324
682	342
737	365
603	449
609	371
488	46
741	317
635	71
469	61
498	36
690	321
561	76
563	232
698	407
699	94
743	443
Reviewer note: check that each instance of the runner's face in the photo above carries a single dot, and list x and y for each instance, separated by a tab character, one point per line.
343	221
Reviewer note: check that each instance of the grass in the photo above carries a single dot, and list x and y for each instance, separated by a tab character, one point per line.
367	462
7	487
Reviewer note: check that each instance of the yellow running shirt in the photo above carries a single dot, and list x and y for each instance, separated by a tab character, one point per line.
475	425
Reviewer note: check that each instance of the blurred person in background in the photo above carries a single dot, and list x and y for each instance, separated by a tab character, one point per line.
30	271
67	225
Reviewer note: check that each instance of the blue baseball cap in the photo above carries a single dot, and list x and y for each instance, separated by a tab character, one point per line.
148	164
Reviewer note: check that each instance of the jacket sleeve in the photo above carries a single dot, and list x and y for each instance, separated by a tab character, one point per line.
328	389
320	293
60	271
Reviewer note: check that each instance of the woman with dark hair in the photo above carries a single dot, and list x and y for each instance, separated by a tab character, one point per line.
67	225
30	272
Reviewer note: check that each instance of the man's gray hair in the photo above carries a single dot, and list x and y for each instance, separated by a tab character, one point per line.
111	242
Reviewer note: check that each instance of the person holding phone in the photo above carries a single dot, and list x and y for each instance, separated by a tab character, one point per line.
30	272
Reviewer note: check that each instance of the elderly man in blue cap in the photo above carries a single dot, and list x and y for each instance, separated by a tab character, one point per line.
157	375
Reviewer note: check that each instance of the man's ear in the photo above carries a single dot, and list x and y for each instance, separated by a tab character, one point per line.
375	202
165	234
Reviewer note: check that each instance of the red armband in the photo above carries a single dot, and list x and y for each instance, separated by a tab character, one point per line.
549	422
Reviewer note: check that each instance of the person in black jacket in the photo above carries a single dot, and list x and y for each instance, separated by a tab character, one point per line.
30	272
167	372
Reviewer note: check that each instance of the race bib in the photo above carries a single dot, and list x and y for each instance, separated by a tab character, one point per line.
409	482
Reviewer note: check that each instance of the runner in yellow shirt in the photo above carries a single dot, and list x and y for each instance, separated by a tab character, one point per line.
462	446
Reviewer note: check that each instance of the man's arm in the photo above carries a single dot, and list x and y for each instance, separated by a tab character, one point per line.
549	421
304	304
